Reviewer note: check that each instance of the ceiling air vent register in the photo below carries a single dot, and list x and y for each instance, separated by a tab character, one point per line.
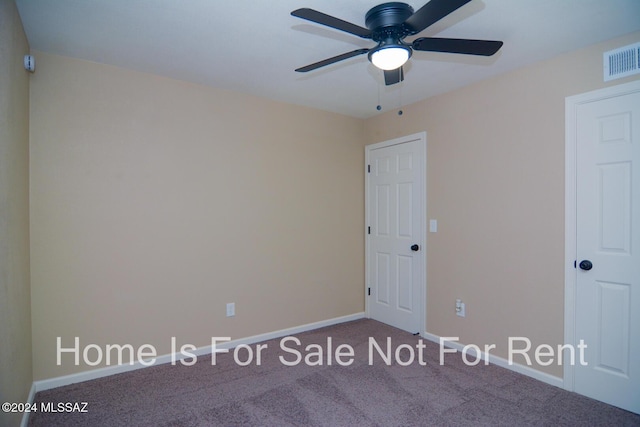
622	62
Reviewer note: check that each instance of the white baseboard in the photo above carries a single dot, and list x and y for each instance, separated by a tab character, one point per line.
93	374
499	361
25	416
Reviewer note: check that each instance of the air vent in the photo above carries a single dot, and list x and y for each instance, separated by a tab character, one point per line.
622	62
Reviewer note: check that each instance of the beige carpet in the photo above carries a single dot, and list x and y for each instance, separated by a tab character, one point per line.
361	394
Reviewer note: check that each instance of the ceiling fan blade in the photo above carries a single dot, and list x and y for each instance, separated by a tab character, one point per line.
392	77
330	21
333	60
464	46
431	13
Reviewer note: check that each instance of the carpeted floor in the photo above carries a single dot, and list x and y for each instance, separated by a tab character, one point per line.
361	394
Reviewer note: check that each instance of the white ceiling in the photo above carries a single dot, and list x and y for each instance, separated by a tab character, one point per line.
253	46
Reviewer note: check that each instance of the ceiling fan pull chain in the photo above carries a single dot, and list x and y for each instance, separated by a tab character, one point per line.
401	104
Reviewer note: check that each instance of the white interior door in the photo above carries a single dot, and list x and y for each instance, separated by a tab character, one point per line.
607	282
396	218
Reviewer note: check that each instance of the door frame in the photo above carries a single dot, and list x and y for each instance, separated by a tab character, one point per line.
421	137
570	230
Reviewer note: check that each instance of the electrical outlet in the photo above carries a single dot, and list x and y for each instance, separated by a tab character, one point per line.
460	308
231	309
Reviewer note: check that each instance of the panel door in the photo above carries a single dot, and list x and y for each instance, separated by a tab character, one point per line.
608	250
396	261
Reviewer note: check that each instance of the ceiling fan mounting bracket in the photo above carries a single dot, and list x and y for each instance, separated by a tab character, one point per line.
387	15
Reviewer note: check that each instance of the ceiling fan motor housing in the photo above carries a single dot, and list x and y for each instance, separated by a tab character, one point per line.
386	21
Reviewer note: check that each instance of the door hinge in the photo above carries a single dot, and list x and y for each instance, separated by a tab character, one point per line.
368	291
369	168
369	230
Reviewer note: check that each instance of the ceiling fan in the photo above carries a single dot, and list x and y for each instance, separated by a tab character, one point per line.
388	24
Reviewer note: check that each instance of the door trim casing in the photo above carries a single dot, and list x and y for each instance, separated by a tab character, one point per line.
422	138
570	229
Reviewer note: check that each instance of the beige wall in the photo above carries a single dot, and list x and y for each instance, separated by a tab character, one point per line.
15	312
155	202
495	179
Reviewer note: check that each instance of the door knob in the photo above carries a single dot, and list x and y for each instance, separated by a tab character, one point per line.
586	265
415	248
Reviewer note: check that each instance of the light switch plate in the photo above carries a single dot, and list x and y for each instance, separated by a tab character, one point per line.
231	309
433	225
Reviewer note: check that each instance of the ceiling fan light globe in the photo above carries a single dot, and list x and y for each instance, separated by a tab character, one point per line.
390	57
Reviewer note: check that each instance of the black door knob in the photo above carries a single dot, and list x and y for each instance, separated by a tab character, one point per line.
415	248
586	265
